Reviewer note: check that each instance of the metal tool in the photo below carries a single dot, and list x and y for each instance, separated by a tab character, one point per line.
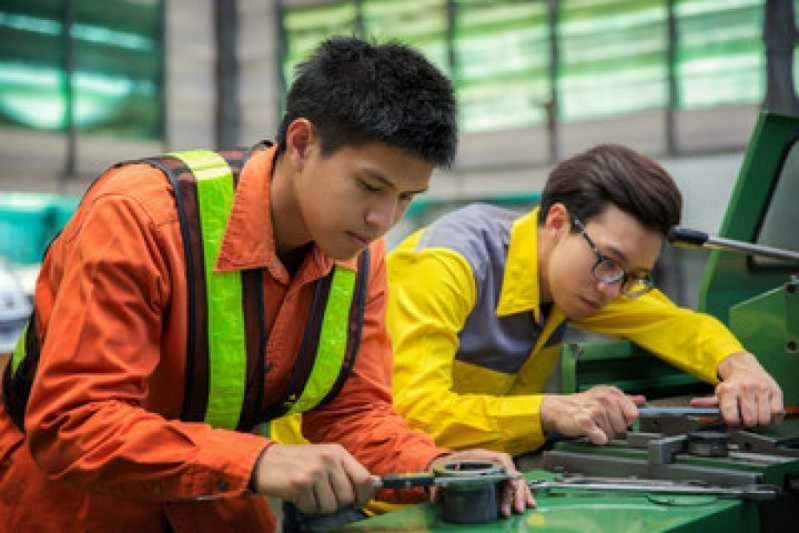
470	488
651	412
430	479
609	484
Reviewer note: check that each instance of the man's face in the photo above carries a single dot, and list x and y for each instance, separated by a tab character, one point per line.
356	194
618	236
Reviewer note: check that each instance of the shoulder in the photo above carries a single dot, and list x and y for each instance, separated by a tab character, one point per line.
480	233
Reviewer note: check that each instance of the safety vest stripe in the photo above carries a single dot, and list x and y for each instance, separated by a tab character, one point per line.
227	368
332	346
19	349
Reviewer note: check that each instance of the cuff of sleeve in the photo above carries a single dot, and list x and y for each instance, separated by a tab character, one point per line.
224	465
519	423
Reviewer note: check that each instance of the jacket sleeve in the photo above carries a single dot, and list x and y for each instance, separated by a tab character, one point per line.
432	293
86	420
362	417
692	341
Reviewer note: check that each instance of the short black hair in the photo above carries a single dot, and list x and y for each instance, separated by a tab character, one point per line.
612	174
355	93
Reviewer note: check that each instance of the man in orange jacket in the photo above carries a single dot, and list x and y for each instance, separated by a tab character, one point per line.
194	295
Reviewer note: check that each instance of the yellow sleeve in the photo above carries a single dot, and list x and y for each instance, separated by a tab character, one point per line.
431	294
692	341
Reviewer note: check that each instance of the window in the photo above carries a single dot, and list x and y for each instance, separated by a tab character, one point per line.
720	53
116	76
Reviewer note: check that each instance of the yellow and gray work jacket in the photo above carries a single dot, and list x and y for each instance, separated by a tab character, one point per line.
474	345
226	332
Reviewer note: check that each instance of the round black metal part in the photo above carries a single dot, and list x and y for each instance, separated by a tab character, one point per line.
470	503
709	443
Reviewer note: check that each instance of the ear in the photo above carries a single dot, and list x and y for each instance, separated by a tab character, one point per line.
557	220
300	137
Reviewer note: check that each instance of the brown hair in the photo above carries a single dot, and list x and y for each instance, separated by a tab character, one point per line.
612	174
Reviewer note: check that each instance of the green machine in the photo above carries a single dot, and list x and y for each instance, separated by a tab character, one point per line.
751	478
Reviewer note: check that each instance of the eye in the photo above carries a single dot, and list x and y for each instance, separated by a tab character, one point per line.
406	197
367	187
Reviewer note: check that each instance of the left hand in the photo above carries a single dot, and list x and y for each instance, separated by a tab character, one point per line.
747	394
516	490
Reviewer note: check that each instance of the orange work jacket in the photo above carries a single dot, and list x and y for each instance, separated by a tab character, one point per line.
104	448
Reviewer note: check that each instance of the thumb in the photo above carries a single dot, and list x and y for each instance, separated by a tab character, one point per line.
638	399
705	401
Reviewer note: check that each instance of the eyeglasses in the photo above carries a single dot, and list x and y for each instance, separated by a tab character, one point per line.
608	271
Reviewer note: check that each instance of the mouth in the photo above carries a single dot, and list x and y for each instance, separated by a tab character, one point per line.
590	304
359	239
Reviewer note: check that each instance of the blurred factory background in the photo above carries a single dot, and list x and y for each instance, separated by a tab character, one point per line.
85	84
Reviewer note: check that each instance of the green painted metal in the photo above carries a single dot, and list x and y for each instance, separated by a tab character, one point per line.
768	325
563	511
728	277
623	364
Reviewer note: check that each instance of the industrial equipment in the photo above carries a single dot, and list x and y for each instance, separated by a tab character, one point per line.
679	469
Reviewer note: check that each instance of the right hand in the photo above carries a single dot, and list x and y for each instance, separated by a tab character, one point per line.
316	478
598	413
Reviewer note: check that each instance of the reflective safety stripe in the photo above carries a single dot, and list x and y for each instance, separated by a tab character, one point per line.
227	351
19	350
332	341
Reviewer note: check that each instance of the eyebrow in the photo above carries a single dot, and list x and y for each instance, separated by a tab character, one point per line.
385	181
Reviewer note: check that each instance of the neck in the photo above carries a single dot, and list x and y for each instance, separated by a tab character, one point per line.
287	220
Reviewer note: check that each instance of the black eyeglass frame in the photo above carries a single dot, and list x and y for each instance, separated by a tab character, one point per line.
628	281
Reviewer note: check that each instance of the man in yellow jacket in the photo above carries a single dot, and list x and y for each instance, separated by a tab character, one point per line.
479	300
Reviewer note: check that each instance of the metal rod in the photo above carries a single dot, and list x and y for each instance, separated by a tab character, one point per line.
694	238
649	412
752	492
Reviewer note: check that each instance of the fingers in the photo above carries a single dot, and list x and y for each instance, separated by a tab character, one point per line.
316	478
516	494
705	401
516	497
359	481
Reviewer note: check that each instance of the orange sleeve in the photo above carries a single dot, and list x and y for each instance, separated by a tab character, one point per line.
85	420
362	417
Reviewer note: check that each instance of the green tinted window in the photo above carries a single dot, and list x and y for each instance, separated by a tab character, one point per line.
720	55
613	57
502	63
306	27
116	78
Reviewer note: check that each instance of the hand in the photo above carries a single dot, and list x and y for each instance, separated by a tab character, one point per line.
598	413
316	478
516	491
747	394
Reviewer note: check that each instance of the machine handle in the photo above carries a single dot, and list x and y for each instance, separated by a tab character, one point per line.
687	237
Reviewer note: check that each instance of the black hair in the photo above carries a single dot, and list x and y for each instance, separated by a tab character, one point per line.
611	174
355	93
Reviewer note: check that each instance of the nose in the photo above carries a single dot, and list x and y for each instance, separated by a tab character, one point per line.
382	214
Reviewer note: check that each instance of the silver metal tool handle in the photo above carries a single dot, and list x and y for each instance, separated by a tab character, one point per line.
691	238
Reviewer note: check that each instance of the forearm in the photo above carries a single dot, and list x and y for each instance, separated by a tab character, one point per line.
509	424
121	449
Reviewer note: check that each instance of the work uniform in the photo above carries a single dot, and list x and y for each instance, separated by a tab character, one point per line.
104	448
474	345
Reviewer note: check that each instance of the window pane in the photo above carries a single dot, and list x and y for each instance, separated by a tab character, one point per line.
613	57
306	27
418	23
502	71
720	53
117	67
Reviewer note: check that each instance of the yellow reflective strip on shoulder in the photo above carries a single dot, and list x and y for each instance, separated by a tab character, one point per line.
19	350
227	350
332	341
